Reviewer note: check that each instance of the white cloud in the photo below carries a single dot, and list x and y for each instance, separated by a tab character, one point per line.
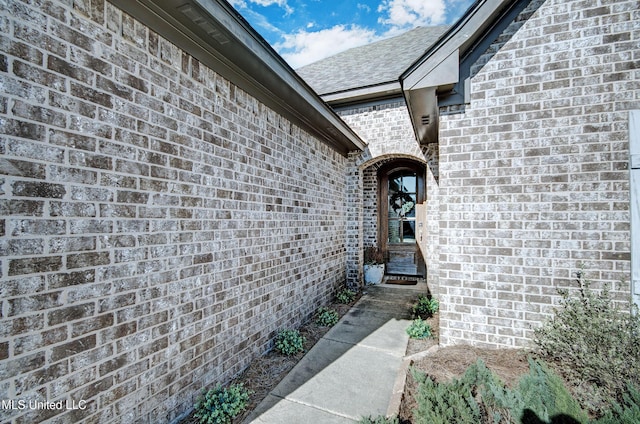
412	13
302	47
261	21
238	4
281	3
242	4
364	7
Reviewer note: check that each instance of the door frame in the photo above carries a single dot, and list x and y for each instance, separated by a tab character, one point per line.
383	191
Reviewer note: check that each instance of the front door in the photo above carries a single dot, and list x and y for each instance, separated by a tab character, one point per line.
401	190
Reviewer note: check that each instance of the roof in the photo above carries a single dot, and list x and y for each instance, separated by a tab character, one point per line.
373	66
214	33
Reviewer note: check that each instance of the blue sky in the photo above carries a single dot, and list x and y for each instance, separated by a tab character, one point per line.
304	31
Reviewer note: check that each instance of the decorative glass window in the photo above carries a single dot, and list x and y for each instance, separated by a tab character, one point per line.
402	198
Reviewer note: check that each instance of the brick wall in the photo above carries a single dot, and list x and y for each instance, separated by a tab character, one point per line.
533	173
158	224
386	127
370	206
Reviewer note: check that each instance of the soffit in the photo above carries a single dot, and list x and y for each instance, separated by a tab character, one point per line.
214	33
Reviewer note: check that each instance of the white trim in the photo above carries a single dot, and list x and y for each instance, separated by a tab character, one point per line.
634	198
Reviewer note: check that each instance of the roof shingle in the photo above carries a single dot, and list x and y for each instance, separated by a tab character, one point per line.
372	64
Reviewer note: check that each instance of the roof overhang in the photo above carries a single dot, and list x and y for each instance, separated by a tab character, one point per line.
215	34
361	95
443	72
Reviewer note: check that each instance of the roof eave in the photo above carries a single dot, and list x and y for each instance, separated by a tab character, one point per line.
463	34
214	33
437	74
361	95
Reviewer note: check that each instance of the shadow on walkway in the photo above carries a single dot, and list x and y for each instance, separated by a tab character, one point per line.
351	371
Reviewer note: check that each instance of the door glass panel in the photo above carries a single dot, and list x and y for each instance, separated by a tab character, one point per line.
409	184
395	184
409	231
394	231
410	206
402	212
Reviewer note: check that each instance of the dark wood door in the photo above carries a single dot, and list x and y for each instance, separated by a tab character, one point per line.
401	190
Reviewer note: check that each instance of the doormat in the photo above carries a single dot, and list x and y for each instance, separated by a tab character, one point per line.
402	282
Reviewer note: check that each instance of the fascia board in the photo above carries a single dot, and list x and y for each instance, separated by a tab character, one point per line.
227	44
443	73
464	34
363	93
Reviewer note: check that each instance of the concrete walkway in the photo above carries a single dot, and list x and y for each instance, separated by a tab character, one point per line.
352	371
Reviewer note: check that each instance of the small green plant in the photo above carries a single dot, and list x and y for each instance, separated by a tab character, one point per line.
451	402
221	405
425	307
289	342
540	393
419	329
380	419
479	396
326	317
345	296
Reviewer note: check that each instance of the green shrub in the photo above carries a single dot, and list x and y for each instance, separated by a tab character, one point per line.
289	342
419	329
425	307
450	402
326	317
221	405
479	396
345	296
595	345
541	392
627	413
380	419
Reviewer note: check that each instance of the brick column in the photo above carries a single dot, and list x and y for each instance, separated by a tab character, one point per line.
354	224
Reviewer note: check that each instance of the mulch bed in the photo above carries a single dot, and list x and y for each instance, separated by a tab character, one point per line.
446	363
265	372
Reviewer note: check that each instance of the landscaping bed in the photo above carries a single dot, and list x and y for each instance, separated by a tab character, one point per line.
445	363
265	372
583	367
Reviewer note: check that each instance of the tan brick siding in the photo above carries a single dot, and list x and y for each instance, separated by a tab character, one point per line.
158	224
534	179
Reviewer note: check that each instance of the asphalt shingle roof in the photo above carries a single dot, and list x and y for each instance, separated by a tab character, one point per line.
376	63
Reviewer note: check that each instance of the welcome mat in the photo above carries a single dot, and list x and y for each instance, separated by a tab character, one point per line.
402	282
